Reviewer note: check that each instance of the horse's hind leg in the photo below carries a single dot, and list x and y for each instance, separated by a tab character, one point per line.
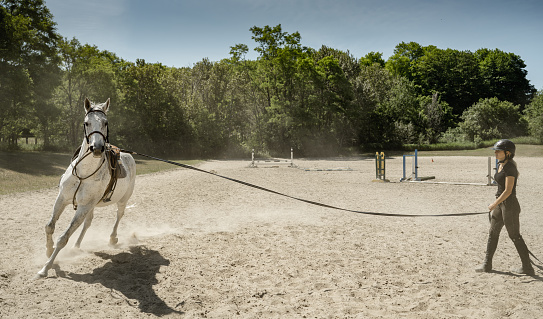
86	225
80	215
58	208
121	206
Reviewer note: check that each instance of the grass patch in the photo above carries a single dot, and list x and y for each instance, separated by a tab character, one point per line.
27	171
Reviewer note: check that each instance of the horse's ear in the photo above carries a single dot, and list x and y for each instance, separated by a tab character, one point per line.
105	108
87	105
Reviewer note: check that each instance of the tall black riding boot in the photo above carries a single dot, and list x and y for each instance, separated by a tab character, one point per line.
491	246
524	254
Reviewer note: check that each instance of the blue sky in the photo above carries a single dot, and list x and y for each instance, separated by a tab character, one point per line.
181	33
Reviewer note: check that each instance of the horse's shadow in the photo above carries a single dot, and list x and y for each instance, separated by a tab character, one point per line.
133	274
535	277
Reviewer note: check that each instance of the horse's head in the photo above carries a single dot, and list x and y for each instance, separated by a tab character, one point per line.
96	129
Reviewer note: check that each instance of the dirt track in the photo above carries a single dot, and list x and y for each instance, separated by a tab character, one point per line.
195	245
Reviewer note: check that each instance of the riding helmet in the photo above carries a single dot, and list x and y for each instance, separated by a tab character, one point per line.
505	145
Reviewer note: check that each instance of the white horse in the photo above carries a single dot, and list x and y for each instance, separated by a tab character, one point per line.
87	183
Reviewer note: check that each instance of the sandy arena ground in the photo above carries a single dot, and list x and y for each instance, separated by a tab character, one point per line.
194	245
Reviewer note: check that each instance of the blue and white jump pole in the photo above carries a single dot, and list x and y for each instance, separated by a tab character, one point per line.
414	169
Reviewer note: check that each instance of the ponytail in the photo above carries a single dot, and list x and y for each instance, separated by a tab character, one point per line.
510	159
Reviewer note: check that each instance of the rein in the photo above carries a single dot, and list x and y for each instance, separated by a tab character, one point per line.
112	169
74	173
297	198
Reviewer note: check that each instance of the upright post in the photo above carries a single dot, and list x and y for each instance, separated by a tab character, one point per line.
404	178
414	176
291	157
376	165
416	166
380	167
253	158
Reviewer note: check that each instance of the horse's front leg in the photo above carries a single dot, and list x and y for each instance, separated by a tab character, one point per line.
86	225
58	208
78	219
121	206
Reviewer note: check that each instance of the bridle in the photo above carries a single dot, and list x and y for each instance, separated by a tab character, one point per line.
87	153
87	136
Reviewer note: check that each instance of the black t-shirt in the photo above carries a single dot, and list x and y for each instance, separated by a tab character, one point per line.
509	169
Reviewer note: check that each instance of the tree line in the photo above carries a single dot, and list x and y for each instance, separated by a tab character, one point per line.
318	101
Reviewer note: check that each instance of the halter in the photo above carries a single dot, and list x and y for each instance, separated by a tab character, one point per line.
87	136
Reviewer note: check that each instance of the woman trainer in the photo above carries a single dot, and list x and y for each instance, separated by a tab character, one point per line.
505	210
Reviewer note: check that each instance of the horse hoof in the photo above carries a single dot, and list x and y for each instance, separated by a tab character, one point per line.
41	274
113	241
38	277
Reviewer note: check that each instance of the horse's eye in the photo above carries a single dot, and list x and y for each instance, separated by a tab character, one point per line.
86	123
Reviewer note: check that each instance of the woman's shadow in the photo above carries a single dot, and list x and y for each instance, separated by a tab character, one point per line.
133	274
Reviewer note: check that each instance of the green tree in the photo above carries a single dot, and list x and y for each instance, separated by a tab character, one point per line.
491	119
503	75
534	116
155	117
28	64
371	58
87	72
325	94
308	92
238	53
251	95
452	73
218	109
435	117
384	106
405	56
347	62
279	52
462	77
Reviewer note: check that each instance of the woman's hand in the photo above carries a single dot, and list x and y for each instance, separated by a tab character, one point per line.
492	206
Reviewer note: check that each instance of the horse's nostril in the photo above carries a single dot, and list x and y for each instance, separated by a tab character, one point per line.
92	148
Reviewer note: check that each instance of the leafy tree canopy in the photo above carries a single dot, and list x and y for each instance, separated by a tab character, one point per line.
462	77
492	119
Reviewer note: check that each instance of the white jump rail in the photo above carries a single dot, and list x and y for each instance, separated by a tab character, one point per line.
272	162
